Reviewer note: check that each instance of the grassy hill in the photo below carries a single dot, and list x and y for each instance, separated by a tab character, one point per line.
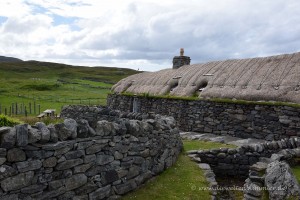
52	85
9	59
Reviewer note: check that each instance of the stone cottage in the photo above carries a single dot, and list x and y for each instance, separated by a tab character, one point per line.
270	86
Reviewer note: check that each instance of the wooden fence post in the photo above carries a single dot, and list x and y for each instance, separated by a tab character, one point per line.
34	107
12	109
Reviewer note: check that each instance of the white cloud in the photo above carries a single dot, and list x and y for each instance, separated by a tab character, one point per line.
147	34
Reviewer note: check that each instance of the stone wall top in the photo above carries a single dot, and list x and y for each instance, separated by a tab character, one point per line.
73	160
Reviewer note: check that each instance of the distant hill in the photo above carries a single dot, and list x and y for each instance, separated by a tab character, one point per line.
48	70
9	59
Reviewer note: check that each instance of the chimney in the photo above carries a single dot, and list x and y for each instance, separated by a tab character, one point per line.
181	60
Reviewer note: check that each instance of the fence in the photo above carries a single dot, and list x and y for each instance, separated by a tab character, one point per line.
34	108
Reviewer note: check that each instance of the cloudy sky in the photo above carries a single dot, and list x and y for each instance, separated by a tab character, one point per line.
146	34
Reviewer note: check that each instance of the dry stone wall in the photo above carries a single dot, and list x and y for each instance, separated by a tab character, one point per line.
81	159
239	120
236	162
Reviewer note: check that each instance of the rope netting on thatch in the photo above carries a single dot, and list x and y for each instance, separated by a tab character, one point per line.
275	78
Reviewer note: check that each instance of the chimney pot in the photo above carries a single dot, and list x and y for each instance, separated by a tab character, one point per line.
181	51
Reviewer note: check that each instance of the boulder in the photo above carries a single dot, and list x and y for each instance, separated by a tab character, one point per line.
280	181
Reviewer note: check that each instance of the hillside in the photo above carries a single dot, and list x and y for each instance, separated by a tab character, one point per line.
53	85
47	70
9	59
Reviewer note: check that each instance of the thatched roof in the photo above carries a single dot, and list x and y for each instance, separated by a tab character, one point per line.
275	78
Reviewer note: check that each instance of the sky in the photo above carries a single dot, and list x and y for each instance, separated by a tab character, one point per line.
147	34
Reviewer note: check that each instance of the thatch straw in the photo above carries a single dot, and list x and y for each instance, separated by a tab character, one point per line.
275	78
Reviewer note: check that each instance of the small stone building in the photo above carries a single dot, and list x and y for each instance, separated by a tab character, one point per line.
270	84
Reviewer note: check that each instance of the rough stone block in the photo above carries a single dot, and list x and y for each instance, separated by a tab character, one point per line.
105	128
89	158
10	197
71	125
94	148
39	154
69	164
22	134
34	135
89	187
110	177
82	168
84	145
8	137
7	171
75	181
53	133
33	189
28	165
74	154
2	152
100	193
50	162
16	155
104	159
125	187
17	182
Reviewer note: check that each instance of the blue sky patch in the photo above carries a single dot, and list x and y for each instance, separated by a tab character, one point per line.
3	19
70	21
37	8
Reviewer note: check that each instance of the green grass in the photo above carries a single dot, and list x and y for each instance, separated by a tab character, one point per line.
176	183
53	85
47	120
296	171
8	121
217	100
196	144
181	181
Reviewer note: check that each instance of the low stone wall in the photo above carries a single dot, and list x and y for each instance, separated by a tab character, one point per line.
236	162
239	120
74	160
275	175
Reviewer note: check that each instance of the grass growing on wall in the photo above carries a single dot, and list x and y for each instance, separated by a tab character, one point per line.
217	100
181	181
